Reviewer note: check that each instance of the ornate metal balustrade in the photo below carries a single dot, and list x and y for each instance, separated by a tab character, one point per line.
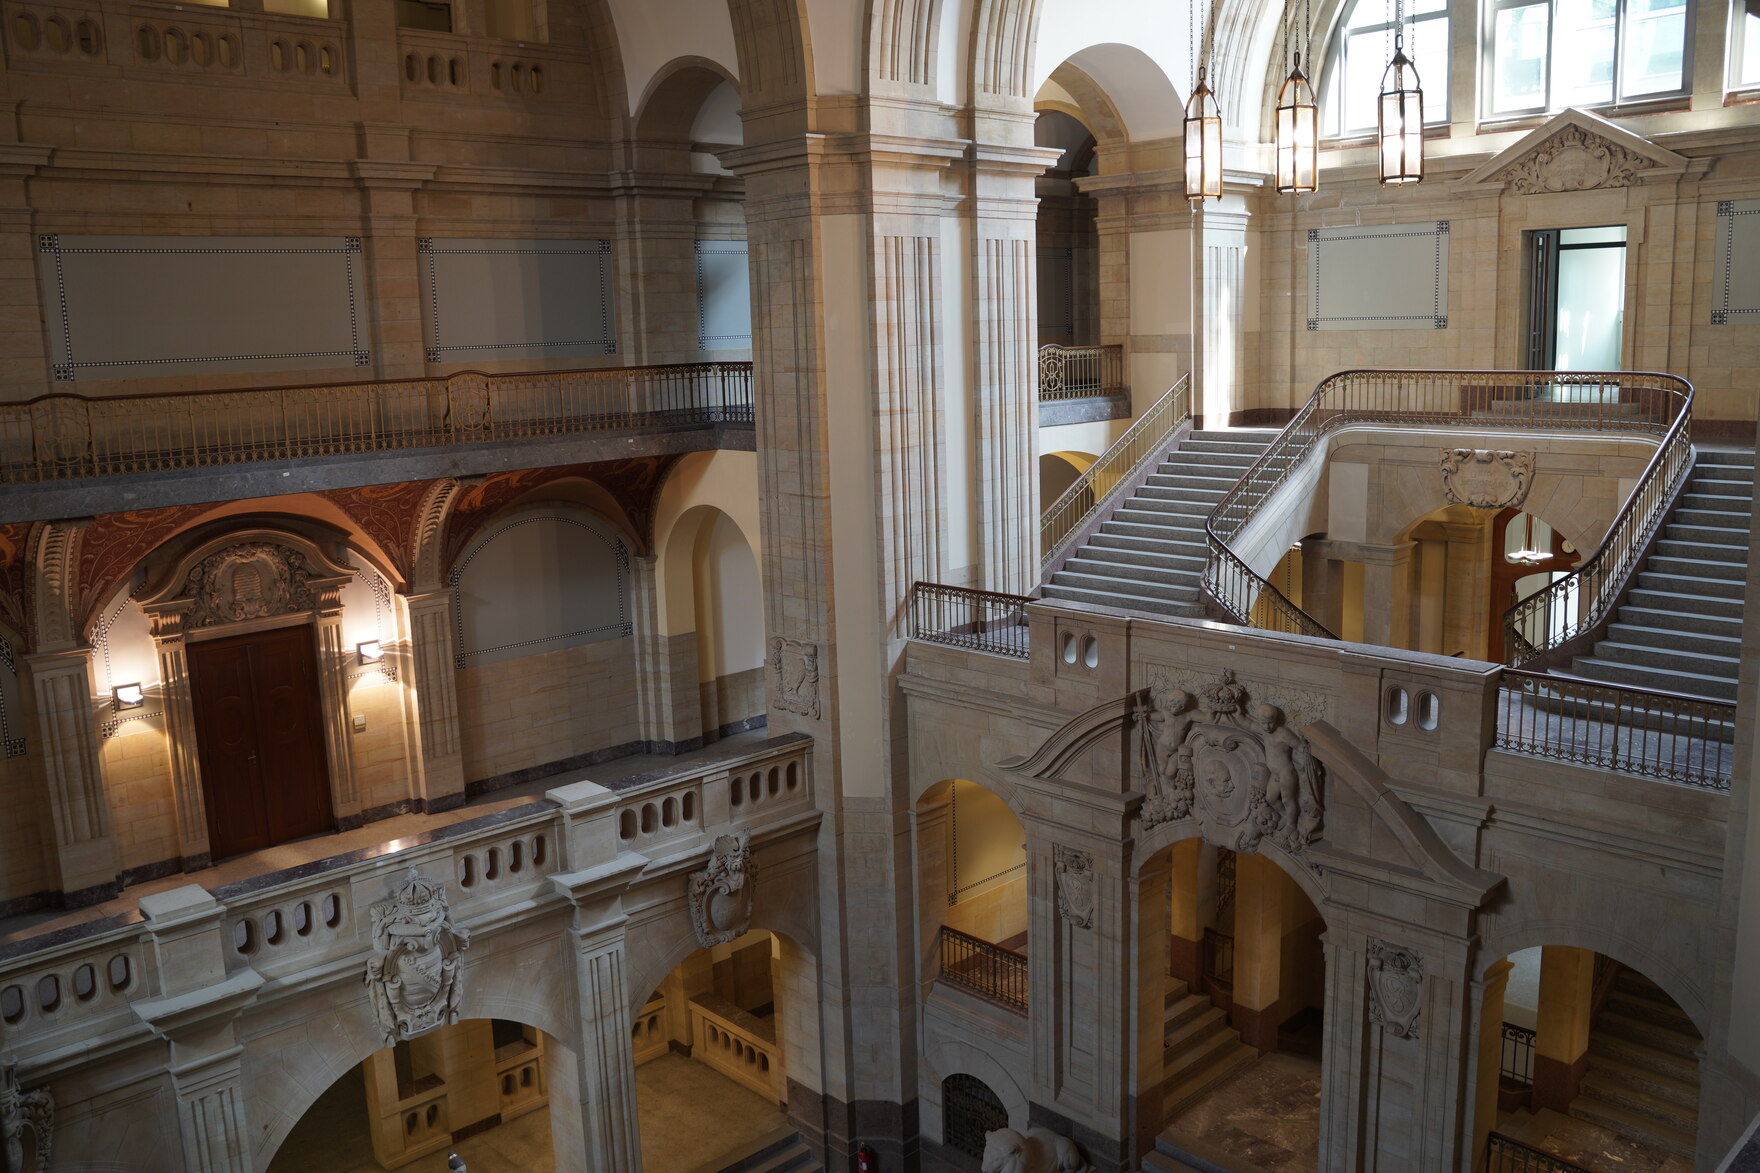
1075	372
1635	402
984	621
1505	1154
1146	439
62	437
1516	1064
975	965
1631	730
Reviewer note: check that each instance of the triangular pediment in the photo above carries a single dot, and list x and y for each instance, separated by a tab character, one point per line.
1575	151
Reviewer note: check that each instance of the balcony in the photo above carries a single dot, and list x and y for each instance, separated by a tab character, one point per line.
1082	384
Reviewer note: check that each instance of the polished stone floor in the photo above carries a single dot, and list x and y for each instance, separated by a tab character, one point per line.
1588	1145
1265	1117
691	1116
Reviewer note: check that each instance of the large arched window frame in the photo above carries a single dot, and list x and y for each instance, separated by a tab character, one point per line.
1362	45
1543	55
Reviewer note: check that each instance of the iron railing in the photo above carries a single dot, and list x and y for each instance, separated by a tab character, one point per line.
1504	1154
984	621
977	966
61	437
1628	730
1076	372
1516	1066
1602	401
1583	599
1144	440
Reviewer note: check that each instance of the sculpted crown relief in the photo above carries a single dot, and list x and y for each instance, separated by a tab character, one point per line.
1237	766
414	975
19	1110
1486	478
1574	160
720	896
1396	987
254	580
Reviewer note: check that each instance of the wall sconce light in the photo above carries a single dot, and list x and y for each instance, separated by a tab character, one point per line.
128	696
370	651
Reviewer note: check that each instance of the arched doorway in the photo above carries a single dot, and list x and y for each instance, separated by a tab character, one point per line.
1241	1010
972	892
480	1088
1585	1059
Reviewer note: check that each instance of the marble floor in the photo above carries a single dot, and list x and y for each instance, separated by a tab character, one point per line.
691	1117
1588	1145
1265	1117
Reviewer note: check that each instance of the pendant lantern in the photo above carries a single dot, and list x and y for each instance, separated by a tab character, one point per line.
1298	134
1203	136
1401	115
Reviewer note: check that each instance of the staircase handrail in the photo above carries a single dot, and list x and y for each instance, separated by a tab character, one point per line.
1113	470
1595	585
1415	396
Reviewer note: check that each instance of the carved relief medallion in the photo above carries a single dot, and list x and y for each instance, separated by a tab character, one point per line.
1075	885
1396	988
1574	160
20	1110
720	896
794	675
414	976
1486	478
250	581
1234	764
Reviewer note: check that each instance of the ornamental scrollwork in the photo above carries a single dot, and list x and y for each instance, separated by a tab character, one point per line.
415	975
254	580
1486	478
1574	160
20	1110
720	896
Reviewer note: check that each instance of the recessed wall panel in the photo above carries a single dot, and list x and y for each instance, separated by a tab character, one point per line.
509	299
724	296
1736	289
1378	277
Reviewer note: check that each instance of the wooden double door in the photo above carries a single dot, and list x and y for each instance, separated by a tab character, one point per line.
260	739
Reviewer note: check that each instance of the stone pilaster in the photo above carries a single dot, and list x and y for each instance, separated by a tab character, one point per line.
657	271
1489	993
1561	1035
73	768
435	691
1387	594
180	738
333	661
669	701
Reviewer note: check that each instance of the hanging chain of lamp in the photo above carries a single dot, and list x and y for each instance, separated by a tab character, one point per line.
1203	125
1401	116
1298	117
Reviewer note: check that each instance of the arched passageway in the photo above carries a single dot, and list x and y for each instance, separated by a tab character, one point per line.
1241	1023
480	1088
972	892
1585	1059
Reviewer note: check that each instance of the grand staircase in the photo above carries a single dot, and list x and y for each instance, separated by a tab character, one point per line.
1150	554
1681	630
1199	1049
1643	1075
783	1152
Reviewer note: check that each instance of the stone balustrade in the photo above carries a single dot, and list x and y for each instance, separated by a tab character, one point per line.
739	1045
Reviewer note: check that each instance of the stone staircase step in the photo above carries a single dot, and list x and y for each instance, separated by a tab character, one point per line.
1123	543
1722	502
1688	684
1718	484
1189	480
1609	1088
1697	568
1727	555
1736	519
1708	535
1667	602
1155	529
1680	584
1224	1063
1167	590
1170	557
1632	1052
1156	1161
1170	499
1632	1125
1128	602
1705	643
1742	457
1658	1036
1664	620
1090	562
1681	1092
1673	659
1192	1034
782	1152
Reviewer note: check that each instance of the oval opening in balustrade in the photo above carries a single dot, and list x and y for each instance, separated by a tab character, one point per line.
669	812
11	1004
773	780
326	60
626	824
120	971
244	935
200	51
763	1062
650	819
302	918
492	870
412	1122
278	56
86	33
519	78
736	792
538	848
525	1077
537	79
1067	647
467	871
1429	710
24	31
434	68
495	74
147	43
49	993
302	57
1399	706
516	857
174	47
226	50
689	806
755	787
794	776
85	982
455	72
433	1114
412	70
273	928
507	1084
1091	652
55	32
332	911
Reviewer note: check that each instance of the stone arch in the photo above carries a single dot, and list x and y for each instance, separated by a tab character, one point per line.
1657	959
1071	90
902	41
674	95
775	54
1123	92
1003	34
952	1056
1244	35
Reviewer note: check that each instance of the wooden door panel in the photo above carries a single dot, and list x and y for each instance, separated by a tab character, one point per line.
260	739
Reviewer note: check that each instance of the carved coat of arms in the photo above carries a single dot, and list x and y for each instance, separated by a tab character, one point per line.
1238	767
1396	987
1486	478
794	675
415	973
720	896
249	581
20	1110
1075	885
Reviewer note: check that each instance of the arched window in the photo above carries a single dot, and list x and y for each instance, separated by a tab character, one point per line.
1361	49
969	1109
1548	54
